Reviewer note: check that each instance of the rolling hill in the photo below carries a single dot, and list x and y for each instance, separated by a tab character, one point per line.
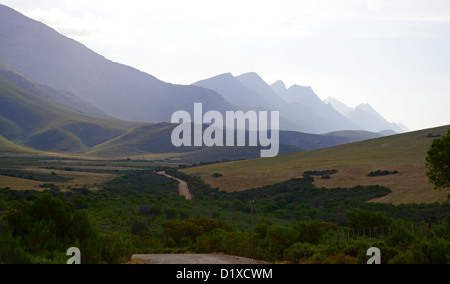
7	146
59	96
404	153
30	123
29	120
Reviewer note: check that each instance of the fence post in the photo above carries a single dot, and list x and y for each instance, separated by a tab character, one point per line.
421	233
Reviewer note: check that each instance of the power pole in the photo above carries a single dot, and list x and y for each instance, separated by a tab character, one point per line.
251	209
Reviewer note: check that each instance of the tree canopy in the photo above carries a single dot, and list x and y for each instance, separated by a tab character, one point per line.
438	162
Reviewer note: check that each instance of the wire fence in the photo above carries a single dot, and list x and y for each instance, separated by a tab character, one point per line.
381	232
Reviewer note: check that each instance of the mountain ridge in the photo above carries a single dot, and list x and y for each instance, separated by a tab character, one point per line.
32	124
366	116
49	58
67	98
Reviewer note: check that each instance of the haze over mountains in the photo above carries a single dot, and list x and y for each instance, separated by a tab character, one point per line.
58	95
47	57
366	116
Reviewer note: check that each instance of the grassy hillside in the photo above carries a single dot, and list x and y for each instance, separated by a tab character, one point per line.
356	135
41	124
7	146
404	153
61	97
31	121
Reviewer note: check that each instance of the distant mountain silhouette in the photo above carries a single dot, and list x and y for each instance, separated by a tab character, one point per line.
339	106
300	107
42	62
234	91
239	94
305	96
49	58
306	117
367	117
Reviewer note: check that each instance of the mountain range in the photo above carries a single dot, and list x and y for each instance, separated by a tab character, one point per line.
367	117
58	95
39	119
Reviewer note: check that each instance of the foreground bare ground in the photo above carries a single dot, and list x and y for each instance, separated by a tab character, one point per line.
191	259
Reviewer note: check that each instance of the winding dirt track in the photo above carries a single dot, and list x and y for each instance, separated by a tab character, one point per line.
183	188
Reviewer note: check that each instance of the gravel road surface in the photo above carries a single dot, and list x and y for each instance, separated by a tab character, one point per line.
191	259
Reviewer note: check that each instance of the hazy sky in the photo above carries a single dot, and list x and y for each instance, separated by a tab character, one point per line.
392	54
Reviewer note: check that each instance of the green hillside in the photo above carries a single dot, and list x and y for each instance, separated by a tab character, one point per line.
7	146
404	153
58	96
31	121
41	124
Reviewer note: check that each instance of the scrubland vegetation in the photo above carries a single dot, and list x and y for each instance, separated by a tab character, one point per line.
292	222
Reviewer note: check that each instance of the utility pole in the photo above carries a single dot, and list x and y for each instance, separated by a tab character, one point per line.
251	241
251	209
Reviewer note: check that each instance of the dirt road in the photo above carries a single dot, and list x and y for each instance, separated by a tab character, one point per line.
191	259
183	188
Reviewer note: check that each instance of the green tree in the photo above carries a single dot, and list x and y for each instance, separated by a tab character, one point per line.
438	162
46	228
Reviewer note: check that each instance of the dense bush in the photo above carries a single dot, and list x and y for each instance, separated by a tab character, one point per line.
382	173
293	221
43	230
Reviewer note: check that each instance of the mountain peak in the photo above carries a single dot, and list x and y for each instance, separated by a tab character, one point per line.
224	76
305	89
280	83
367	108
250	76
254	82
339	106
279	87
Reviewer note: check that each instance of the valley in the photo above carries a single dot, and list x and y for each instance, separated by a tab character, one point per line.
88	159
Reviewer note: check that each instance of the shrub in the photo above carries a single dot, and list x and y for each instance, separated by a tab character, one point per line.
300	253
48	226
382	173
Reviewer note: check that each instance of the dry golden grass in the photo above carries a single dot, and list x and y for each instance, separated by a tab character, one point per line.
79	179
405	153
19	184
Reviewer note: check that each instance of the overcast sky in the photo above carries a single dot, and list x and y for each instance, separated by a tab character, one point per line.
392	54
